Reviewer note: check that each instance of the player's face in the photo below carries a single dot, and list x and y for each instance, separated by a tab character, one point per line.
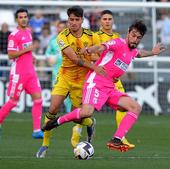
106	22
133	37
60	27
22	19
74	23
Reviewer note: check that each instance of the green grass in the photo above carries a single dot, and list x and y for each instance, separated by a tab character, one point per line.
150	135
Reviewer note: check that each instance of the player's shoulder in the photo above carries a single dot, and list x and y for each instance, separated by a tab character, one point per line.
65	32
29	29
88	32
116	34
120	40
100	32
14	32
116	41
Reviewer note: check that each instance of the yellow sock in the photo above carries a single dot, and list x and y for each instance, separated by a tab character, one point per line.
47	135
119	117
76	134
87	122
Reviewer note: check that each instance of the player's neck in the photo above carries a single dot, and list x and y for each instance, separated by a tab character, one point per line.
108	31
78	33
21	27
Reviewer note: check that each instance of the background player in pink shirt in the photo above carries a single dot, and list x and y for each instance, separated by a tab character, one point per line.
98	90
22	74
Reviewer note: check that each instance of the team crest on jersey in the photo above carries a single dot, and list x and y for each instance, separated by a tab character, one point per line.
119	63
11	43
61	43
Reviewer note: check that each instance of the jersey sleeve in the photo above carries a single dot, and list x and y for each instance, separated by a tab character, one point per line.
135	53
62	41
111	44
96	39
13	43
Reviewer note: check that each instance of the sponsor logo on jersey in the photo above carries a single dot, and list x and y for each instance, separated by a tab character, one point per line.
119	63
25	45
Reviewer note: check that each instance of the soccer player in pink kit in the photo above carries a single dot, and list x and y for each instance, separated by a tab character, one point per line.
22	74
98	90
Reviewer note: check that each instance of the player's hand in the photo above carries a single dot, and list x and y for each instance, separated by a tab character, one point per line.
158	48
100	70
85	51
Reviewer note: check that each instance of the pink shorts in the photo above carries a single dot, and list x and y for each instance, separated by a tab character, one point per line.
20	82
98	95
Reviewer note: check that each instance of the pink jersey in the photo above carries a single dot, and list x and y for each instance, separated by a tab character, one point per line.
22	75
98	89
18	40
115	59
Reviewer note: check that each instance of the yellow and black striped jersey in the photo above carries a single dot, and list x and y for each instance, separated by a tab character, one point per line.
104	37
65	39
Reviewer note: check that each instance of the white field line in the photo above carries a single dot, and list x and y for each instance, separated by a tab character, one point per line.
64	158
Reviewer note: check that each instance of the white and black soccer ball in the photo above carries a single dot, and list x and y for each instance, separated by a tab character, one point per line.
84	150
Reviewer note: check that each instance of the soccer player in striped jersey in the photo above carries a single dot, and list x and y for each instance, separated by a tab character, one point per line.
74	68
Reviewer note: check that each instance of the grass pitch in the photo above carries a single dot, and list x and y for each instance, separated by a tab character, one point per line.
150	135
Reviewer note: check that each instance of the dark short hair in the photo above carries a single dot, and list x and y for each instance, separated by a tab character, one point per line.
20	11
76	10
106	12
62	22
139	26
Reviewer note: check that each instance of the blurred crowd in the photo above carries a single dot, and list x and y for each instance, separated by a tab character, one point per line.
44	28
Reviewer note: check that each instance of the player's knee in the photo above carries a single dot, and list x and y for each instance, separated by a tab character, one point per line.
38	102
136	108
86	112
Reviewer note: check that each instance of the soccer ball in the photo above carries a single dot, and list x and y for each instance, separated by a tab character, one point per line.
84	150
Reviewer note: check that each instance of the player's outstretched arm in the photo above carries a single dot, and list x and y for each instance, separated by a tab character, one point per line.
69	52
156	50
93	49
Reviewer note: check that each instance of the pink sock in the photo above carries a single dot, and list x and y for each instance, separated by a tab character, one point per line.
36	114
74	115
5	109
126	123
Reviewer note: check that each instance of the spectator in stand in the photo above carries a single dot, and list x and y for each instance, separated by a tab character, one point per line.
44	39
163	27
4	33
36	44
94	21
86	23
37	22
